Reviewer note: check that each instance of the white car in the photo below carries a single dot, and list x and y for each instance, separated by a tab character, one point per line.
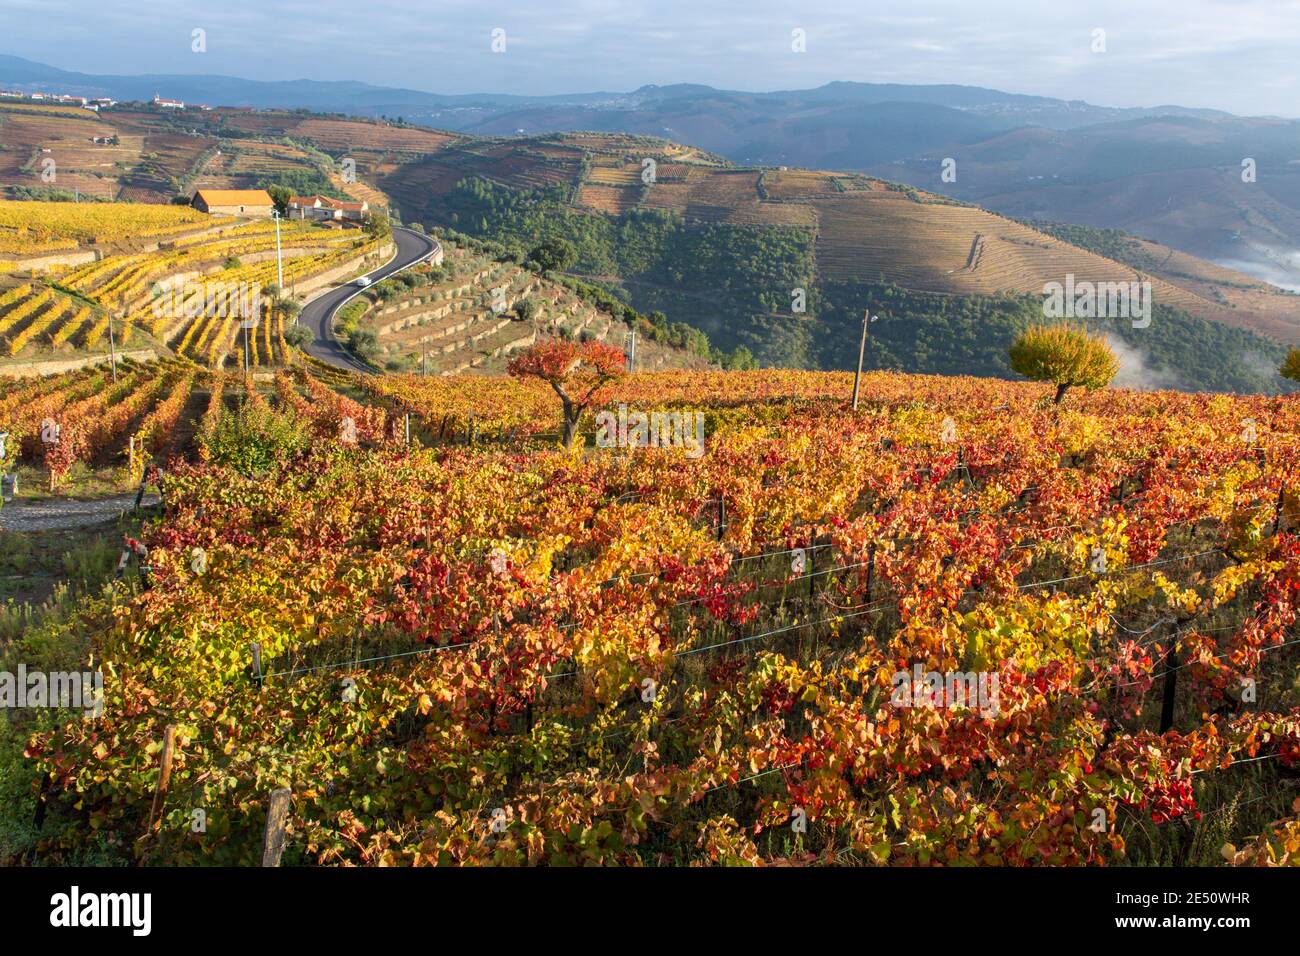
363	281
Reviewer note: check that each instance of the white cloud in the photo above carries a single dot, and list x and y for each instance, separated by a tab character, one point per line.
1230	54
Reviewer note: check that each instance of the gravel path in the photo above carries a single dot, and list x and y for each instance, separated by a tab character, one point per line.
61	514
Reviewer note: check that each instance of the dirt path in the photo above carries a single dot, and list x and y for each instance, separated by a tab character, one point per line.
61	514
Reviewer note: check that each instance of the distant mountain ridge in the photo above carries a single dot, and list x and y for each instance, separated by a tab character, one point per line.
353	96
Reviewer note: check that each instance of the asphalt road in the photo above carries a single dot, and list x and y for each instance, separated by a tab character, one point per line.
318	315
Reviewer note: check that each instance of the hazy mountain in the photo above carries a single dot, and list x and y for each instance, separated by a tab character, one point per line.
479	111
341	96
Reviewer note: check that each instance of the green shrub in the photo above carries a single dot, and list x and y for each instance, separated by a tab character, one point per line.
298	335
363	342
254	438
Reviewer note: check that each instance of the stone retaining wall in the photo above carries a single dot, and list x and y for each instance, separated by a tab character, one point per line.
56	366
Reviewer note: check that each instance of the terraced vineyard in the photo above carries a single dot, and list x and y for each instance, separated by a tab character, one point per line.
609	172
798	185
149	156
465	319
202	322
165	277
168	161
929	246
34	135
124	281
865	228
31	229
237	164
90	422
33	313
370	137
611	200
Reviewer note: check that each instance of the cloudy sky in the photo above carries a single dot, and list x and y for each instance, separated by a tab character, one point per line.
1238	55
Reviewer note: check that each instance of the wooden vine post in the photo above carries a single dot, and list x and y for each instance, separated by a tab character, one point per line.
812	565
862	351
164	778
277	814
1171	686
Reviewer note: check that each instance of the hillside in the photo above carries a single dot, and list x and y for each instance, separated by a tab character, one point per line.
1177	180
170	281
154	281
721	247
864	227
1165	172
725	248
471	313
146	154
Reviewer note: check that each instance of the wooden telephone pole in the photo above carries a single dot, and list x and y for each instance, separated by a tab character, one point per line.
112	346
867	319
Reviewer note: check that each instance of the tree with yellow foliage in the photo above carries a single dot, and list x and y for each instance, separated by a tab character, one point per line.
1291	367
1064	355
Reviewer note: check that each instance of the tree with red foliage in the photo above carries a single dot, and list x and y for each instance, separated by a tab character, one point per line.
577	371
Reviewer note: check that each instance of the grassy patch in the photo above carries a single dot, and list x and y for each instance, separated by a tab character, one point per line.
45	577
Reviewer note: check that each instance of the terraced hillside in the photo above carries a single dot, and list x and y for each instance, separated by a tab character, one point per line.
963	250
33	230
471	313
865	228
159	277
144	154
744	240
76	141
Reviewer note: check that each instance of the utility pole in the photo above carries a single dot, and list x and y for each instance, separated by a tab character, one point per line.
867	319
631	352
424	356
279	261
112	348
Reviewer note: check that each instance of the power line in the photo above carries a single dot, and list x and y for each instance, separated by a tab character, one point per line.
367	660
1217	657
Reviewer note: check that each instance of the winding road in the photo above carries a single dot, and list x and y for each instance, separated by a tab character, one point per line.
318	314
